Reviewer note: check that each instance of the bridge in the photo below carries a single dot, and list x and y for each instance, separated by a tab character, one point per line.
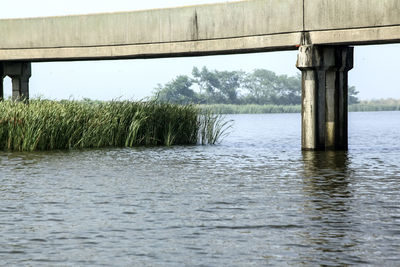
323	31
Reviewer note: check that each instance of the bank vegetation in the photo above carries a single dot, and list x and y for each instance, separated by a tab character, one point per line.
362	106
48	125
259	87
255	92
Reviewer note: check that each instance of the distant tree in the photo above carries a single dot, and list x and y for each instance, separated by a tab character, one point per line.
236	87
289	90
352	95
178	91
265	87
259	86
218	86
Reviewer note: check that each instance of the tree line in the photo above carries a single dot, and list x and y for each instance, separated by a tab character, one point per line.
261	86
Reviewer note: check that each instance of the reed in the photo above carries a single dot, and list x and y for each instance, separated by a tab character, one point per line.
212	127
48	125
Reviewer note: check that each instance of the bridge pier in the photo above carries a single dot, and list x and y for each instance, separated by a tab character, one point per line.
2	75
19	72
324	96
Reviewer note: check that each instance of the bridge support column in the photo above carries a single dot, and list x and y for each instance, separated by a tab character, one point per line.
2	75
20	72
324	96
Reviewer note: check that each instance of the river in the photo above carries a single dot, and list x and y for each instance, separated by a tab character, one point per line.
255	199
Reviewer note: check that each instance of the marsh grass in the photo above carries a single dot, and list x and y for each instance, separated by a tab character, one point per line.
373	105
250	109
212	127
48	125
376	105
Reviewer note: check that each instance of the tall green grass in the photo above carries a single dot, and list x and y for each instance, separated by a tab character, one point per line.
212	127
47	125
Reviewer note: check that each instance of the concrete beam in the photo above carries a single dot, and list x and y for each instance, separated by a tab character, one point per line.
358	36
193	23
253	44
322	15
349	22
223	28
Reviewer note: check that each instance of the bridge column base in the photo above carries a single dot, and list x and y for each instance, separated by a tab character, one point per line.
19	72
324	96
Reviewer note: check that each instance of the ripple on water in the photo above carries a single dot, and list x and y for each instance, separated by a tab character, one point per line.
255	199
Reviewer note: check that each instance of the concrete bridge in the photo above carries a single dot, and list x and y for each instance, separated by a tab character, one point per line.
322	30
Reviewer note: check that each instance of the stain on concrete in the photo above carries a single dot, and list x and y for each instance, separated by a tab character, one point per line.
195	27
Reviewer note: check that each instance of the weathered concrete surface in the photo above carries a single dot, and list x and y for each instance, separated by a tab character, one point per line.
155	50
350	14
224	28
244	26
352	22
238	19
324	96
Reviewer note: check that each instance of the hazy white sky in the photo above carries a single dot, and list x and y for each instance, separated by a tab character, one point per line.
375	72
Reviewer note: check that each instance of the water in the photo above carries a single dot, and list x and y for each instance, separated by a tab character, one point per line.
255	199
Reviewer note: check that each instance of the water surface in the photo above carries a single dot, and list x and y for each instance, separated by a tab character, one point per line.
255	199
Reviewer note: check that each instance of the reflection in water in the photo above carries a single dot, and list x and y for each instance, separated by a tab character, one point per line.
327	175
327	206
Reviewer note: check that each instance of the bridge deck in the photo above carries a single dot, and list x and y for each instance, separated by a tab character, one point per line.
236	27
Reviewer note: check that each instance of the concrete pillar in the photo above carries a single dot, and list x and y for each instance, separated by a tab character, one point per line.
2	75
20	88
20	72
324	96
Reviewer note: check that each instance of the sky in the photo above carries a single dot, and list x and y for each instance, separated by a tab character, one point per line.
375	73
